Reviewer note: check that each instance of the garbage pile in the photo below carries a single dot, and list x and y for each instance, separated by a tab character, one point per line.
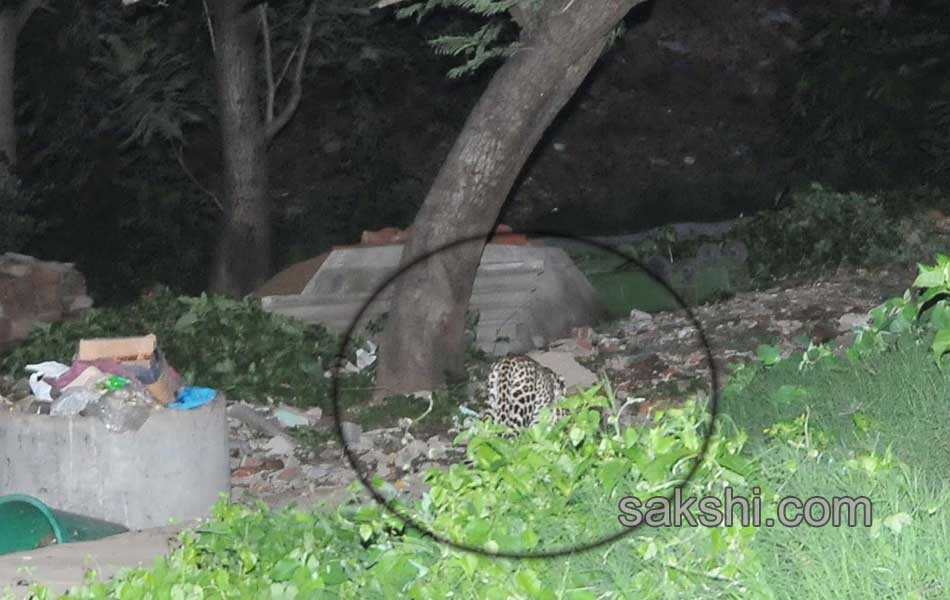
119	381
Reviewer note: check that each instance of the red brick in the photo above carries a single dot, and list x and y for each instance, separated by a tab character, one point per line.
385	236
509	239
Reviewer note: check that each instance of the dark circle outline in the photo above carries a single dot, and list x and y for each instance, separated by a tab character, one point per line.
578	549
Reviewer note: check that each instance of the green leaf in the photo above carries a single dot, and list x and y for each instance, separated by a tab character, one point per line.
790	394
577	435
769	355
529	582
898	521
366	531
941	344
610	472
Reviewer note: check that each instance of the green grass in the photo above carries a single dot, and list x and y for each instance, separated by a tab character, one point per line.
622	285
856	415
898	398
623	290
903	555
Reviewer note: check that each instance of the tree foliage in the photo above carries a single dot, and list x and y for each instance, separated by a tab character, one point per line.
870	106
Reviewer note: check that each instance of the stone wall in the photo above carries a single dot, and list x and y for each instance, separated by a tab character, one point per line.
34	291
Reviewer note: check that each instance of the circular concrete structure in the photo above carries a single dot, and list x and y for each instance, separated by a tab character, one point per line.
174	467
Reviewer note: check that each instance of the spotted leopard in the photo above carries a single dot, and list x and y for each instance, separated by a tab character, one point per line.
518	388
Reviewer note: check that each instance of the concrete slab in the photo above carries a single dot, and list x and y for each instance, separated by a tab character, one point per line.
62	567
526	296
575	375
174	467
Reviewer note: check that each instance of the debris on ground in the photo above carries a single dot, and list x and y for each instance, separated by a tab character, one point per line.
118	381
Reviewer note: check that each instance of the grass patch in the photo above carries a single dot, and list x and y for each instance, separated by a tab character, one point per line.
902	555
624	290
896	399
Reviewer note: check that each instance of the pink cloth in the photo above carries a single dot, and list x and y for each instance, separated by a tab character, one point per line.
106	365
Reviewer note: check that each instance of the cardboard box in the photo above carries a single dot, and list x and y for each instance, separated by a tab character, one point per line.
141	354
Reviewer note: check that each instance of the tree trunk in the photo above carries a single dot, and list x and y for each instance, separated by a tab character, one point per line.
9	27
243	254
12	20
422	345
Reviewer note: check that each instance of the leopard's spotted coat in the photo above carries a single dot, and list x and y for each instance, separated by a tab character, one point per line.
518	388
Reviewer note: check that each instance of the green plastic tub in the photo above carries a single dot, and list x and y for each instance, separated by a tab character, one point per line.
26	523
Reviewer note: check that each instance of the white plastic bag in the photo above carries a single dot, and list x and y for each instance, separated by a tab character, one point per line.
51	369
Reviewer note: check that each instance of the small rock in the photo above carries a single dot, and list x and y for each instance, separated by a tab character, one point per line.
339	476
316	472
851	320
638	316
280	446
272	464
314	414
437	448
409	453
79	304
617	363
289	473
244	472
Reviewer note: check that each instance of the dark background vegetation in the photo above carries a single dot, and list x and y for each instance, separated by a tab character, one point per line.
700	112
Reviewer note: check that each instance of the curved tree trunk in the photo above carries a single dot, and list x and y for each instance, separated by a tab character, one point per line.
422	345
243	254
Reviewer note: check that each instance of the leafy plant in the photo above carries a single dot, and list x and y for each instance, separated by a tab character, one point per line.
233	346
820	229
494	38
537	490
17	225
867	105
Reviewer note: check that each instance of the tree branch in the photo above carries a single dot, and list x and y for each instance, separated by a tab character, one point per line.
283	70
26	11
268	65
385	3
275	124
210	27
181	161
